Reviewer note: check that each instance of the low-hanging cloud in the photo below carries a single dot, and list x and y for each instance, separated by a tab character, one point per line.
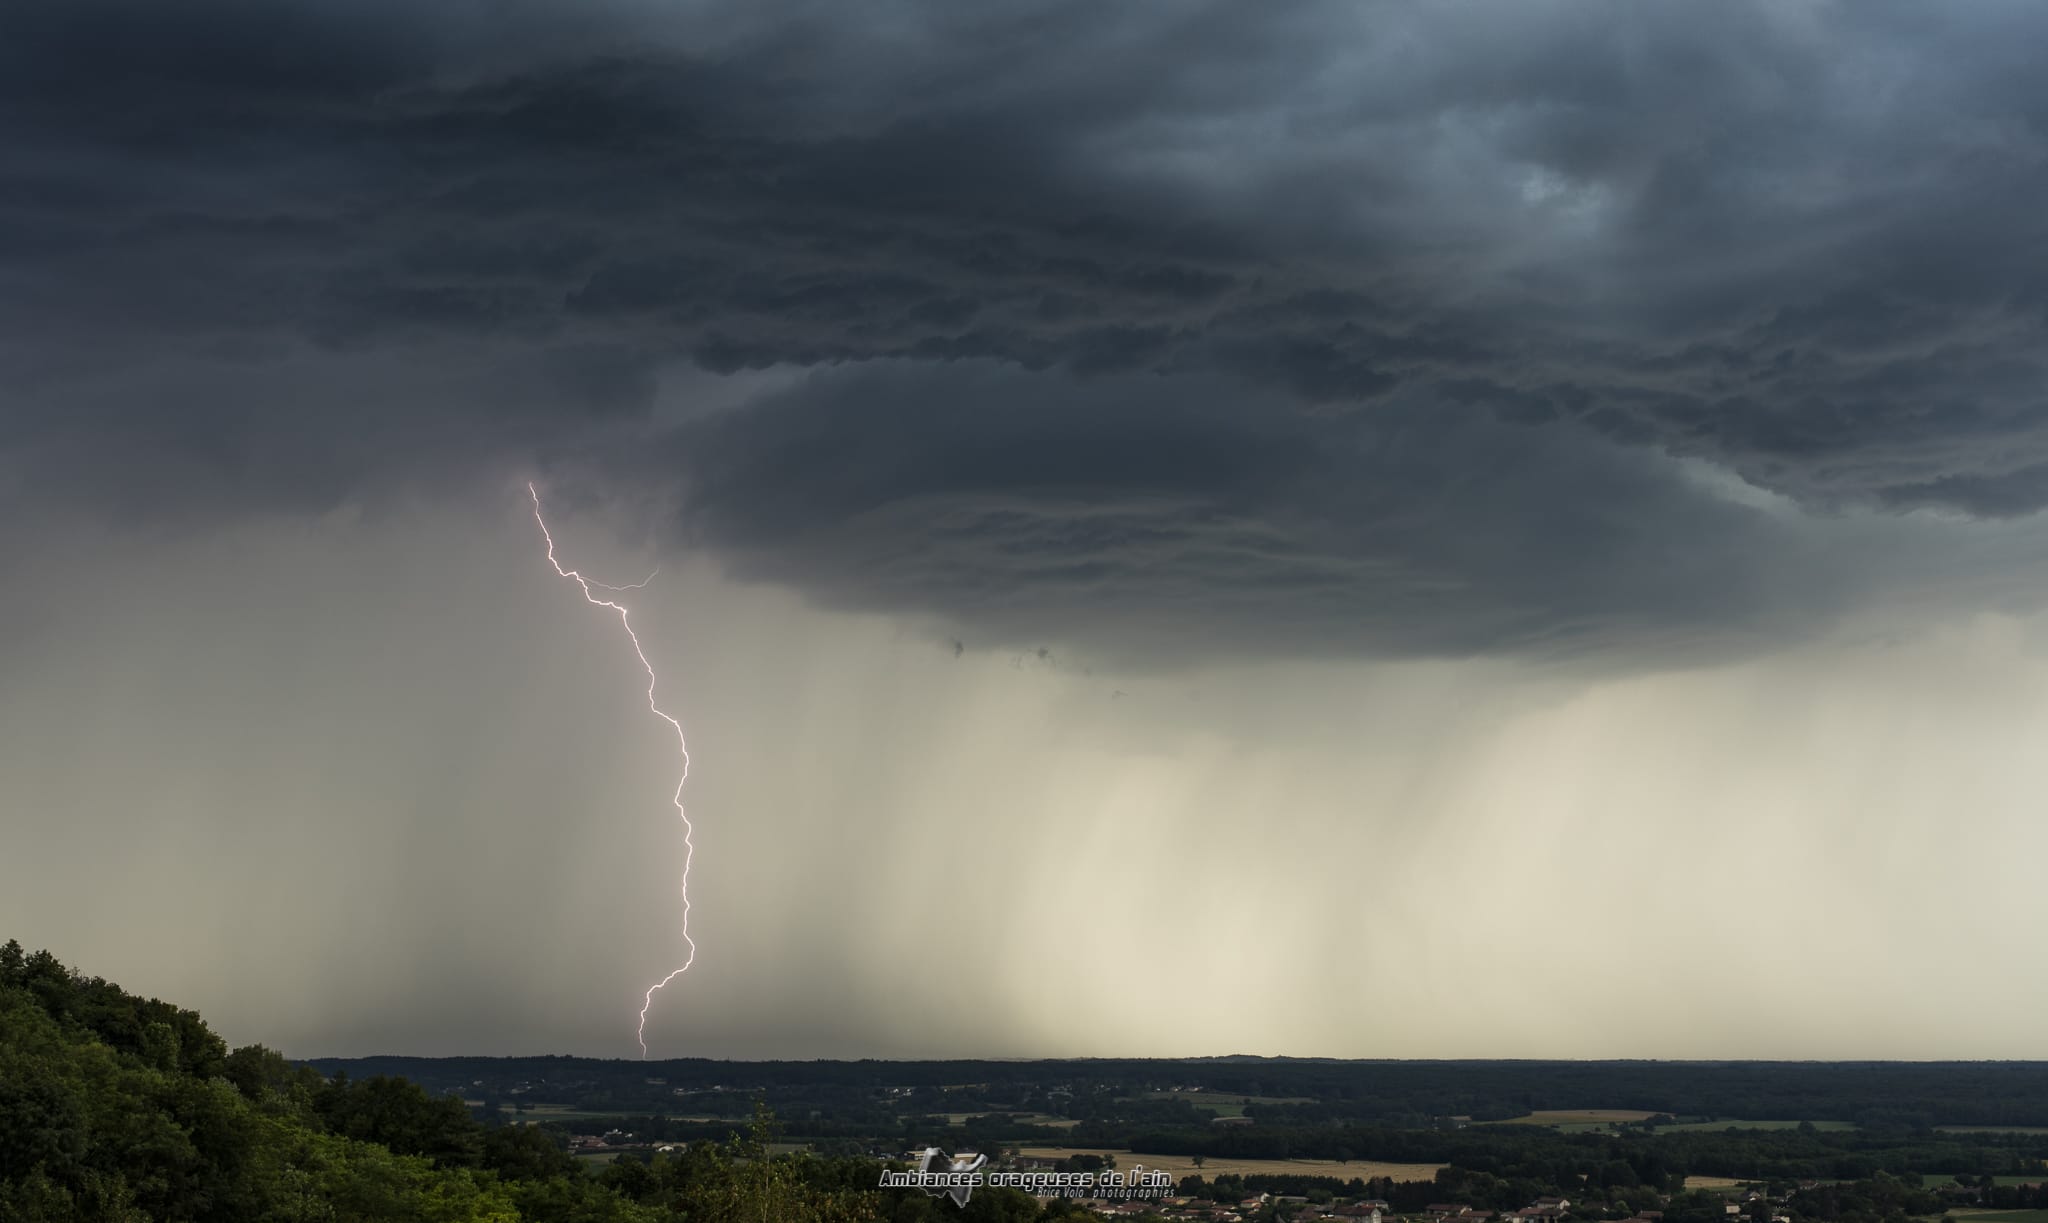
1159	518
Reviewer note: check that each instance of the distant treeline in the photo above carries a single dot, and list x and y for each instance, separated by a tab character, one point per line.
1893	1095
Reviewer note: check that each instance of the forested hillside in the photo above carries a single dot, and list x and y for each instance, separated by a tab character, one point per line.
129	1110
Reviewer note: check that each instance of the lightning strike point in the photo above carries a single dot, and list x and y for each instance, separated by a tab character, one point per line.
587	586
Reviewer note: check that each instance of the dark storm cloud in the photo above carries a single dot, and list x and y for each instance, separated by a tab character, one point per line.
1163	516
1373	317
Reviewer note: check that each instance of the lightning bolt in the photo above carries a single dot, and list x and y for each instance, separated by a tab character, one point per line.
588	585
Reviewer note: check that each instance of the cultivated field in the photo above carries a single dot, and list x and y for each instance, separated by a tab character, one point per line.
1579	1119
562	1112
1225	1103
1992	1129
1717	1126
1714	1182
1062	1123
774	1148
1181	1165
1580	1116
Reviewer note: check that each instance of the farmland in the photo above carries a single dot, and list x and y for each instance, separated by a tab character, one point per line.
1181	1165
1224	1103
1581	1120
1731	1123
1580	1116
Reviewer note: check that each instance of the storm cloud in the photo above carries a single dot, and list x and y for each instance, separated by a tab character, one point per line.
1388	327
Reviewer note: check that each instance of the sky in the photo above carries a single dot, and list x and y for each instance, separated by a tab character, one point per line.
1334	529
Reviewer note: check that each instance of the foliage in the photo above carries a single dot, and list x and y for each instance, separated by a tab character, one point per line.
118	1109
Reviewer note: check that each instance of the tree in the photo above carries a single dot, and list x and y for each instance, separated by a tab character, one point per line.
398	1114
526	1153
1617	1174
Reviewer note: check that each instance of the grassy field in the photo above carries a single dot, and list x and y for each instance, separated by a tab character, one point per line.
1581	1120
1224	1103
1992	1129
1027	1118
1181	1165
1930	1180
1058	1123
1717	1126
1580	1116
562	1112
1225	1097
775	1148
2002	1216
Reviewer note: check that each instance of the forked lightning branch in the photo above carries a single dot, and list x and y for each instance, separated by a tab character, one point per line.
588	586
